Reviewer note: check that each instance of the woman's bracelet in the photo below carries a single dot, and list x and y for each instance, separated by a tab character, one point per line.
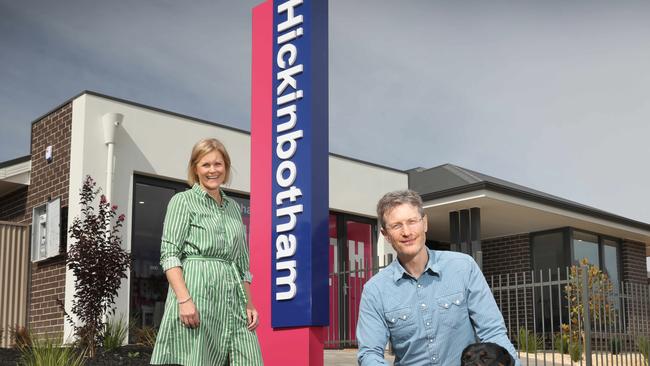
184	301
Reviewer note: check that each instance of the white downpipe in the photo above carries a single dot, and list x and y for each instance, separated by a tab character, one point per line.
110	122
109	171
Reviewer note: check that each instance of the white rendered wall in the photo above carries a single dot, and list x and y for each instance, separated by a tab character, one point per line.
356	187
147	141
156	143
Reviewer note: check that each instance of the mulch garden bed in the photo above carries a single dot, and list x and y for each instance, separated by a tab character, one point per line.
131	355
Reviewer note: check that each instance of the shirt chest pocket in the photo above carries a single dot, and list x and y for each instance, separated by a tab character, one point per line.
401	324
453	310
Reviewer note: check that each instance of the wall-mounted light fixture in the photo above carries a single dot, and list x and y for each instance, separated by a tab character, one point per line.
48	154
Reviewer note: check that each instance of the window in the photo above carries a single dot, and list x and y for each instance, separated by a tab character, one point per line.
557	249
601	251
148	283
550	259
561	248
610	262
245	208
549	251
585	246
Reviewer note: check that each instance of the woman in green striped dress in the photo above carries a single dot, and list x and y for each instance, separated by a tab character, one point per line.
209	315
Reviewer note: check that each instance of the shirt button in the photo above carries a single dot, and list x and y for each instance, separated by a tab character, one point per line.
446	306
428	324
430	340
457	302
423	306
433	359
419	285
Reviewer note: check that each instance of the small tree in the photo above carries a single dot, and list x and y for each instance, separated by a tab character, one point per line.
599	291
98	262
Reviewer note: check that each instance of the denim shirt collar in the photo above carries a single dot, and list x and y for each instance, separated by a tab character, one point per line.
196	188
432	267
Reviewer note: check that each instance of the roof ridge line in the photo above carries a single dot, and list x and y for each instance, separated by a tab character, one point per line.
462	173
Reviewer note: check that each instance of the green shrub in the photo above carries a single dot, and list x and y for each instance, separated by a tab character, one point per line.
561	343
575	350
48	352
643	343
114	334
528	342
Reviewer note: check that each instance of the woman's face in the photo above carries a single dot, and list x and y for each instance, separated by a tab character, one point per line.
211	171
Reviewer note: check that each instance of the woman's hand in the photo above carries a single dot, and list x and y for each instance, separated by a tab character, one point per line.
188	314
253	317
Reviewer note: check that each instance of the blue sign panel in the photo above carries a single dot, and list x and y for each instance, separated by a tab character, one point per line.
300	164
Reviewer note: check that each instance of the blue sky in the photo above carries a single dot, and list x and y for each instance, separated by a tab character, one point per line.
554	95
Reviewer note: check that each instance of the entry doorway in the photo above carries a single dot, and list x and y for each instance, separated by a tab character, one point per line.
352	261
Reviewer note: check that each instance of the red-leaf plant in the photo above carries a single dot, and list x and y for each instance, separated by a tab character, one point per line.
99	264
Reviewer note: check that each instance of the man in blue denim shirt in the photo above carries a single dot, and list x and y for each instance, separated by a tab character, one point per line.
430	304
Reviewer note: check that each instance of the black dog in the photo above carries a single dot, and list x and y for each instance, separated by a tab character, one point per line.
485	354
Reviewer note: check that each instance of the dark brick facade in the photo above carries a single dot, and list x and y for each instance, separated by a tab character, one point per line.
13	206
47	290
634	262
509	254
506	262
49	180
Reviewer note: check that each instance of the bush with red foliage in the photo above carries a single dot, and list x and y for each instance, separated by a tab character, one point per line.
99	264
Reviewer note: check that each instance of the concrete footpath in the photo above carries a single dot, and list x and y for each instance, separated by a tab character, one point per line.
348	357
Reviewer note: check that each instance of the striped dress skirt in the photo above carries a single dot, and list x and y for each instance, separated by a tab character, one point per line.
222	337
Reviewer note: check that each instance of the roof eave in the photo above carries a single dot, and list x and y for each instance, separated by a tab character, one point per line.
538	199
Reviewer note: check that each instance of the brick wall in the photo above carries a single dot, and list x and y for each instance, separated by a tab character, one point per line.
634	262
509	254
47	289
49	181
13	207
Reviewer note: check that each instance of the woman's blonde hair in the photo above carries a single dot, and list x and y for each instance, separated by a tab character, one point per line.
200	149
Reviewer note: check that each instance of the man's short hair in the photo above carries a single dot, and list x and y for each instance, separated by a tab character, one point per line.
396	198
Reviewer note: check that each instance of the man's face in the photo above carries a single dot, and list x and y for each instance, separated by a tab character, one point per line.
406	230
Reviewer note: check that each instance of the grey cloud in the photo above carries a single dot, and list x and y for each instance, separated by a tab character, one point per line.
550	94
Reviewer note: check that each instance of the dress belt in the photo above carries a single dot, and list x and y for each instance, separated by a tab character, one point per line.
232	265
203	258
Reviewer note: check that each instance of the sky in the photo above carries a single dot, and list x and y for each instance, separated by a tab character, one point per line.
553	95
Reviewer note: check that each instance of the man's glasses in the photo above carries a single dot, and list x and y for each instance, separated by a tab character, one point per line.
399	226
